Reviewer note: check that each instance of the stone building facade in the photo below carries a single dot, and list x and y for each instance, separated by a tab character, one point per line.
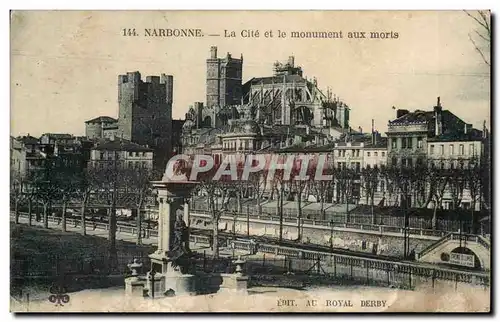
99	127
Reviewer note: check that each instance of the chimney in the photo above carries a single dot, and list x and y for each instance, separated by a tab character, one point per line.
467	128
438	118
401	112
291	61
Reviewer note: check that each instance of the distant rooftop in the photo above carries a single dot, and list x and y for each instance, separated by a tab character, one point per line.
102	119
28	139
120	145
59	135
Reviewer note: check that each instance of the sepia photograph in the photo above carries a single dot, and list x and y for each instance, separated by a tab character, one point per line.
250	161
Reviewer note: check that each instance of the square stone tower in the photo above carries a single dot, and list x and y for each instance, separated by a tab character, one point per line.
145	113
224	86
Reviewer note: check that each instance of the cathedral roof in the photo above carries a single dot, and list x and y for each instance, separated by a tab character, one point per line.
276	80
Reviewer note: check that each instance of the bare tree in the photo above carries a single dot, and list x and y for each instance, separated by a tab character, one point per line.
46	187
139	185
370	177
438	181
89	184
473	180
68	180
258	183
297	187
322	188
344	181
390	177
457	182
17	192
482	34
278	186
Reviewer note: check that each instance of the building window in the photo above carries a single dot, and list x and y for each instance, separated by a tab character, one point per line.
471	149
461	149
410	163
339	165
357	153
441	149
368	154
431	149
420	142
343	153
451	149
403	143
340	153
410	143
383	154
382	186
394	143
375	154
394	161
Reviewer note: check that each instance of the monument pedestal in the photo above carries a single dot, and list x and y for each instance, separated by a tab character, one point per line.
134	286
234	283
168	280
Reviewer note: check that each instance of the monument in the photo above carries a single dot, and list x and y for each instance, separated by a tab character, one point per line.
171	266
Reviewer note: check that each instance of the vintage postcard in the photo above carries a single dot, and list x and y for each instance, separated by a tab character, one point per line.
250	161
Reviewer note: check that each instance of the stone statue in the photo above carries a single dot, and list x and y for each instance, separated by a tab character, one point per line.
180	253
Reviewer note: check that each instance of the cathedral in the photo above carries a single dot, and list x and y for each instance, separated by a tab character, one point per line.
275	111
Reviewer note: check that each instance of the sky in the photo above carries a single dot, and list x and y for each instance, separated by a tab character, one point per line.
65	64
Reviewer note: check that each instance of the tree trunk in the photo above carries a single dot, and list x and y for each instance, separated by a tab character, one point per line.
64	215
279	202
112	239
434	216
347	210
259	207
30	215
215	241
299	219
473	206
83	209
238	200
16	211
45	215
373	212
139	226
322	208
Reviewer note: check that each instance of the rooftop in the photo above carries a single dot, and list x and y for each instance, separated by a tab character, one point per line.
59	135
471	135
277	79
28	139
417	116
102	119
120	145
